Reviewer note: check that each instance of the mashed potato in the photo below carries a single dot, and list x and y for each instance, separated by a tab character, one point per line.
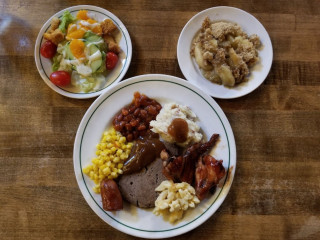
171	111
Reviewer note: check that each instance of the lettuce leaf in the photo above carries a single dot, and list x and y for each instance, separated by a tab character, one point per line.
56	62
66	19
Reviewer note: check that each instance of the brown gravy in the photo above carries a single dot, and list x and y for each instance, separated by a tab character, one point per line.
178	129
145	150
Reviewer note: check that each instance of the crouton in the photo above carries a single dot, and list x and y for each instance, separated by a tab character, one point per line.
108	27
54	24
56	36
112	45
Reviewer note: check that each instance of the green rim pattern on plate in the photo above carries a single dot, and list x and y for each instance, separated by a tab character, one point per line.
154	80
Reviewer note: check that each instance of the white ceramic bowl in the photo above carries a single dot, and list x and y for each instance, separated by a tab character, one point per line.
250	25
44	64
137	221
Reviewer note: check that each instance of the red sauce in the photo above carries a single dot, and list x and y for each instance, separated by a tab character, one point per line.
178	129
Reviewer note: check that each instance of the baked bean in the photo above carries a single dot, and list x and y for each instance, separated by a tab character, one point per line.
141	127
143	113
129	137
132	109
135	134
117	127
128	126
136	102
122	124
134	123
149	118
134	120
143	100
128	118
120	117
124	111
152	110
136	112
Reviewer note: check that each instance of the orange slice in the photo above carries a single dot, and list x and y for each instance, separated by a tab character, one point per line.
92	25
82	14
76	34
77	48
71	28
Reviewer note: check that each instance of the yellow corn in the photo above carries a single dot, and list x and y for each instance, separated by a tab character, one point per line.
106	171
116	160
112	151
96	189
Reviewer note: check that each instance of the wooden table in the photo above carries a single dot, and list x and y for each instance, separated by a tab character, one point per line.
276	190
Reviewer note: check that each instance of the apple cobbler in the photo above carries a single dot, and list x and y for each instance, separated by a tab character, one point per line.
224	52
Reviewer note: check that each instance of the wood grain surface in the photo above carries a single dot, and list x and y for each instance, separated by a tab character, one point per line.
276	190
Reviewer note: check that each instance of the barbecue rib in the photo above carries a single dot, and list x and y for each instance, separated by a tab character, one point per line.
182	168
209	172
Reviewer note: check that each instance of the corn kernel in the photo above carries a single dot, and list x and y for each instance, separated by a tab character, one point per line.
94	160
108	138
111	153
96	189
87	169
106	171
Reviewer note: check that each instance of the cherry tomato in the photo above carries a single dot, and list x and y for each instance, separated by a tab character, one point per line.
111	60
60	78
48	49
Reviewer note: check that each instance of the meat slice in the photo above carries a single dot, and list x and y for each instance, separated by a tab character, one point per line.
209	172
138	188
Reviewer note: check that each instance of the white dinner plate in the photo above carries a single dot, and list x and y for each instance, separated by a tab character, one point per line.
44	64
163	88
250	25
